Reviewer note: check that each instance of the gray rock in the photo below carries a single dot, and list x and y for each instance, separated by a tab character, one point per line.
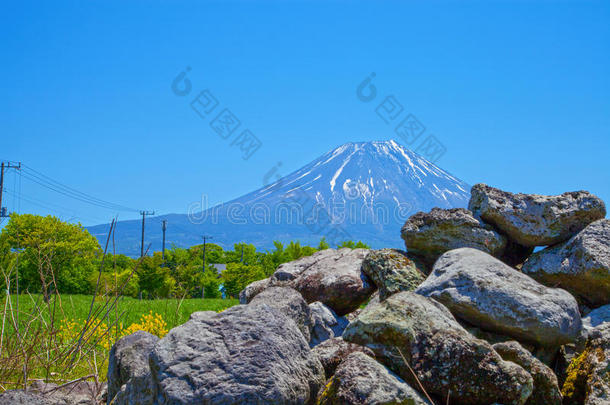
546	388
201	315
42	393
360	380
326	323
588	376
333	277
245	354
375	298
580	265
535	220
129	378
290	303
333	351
596	318
487	293
447	360
79	393
353	315
393	271
251	290
598	384
21	397
431	234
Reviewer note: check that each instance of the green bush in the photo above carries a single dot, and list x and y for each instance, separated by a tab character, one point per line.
53	254
239	275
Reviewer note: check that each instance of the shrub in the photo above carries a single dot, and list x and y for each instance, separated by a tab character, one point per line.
151	323
238	275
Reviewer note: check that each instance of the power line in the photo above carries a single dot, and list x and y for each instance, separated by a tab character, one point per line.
70	195
54	185
50	206
27	177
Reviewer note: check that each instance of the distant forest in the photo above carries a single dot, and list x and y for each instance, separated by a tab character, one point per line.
50	255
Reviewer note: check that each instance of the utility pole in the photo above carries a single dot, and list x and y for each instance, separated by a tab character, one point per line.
164	228
5	165
205	238
144	214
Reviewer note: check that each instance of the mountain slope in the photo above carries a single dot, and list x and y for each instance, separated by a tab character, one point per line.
361	191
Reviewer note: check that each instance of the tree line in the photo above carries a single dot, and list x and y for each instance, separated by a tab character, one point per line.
50	255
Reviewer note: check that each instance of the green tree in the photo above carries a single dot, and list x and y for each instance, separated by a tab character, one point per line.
235	256
155	279
211	283
8	264
353	245
213	253
239	275
120	282
323	245
53	254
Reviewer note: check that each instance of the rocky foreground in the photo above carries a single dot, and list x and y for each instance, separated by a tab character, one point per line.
470	314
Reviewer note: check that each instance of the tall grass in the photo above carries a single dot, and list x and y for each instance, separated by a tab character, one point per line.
65	339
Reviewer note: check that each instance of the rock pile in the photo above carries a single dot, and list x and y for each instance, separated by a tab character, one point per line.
315	333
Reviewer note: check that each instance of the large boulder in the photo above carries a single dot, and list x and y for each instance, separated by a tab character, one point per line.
290	303
333	351
251	290
245	354
431	234
580	265
588	376
487	293
535	220
393	271
129	378
333	277
360	380
546	389
326	323
408	331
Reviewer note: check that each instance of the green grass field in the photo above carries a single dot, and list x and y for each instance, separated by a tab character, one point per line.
76	307
41	344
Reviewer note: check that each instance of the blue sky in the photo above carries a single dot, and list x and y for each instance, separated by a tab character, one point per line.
517	92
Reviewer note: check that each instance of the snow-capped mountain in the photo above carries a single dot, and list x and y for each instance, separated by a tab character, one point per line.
360	190
370	173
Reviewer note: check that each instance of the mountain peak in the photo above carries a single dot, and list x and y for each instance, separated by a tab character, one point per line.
358	190
370	188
